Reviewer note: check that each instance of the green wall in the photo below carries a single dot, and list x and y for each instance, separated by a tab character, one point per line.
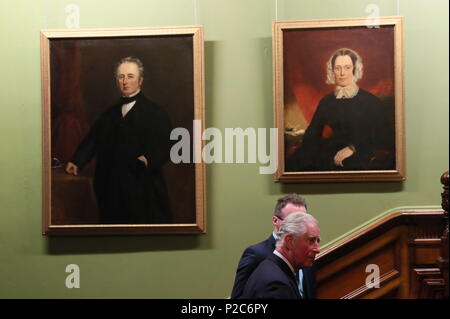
239	200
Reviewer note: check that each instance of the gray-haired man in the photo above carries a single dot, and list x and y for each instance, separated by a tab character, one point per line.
255	254
296	247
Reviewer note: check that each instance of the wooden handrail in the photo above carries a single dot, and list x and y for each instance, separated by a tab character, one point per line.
400	217
407	248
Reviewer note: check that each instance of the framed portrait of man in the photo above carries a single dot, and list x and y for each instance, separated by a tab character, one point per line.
338	99
111	102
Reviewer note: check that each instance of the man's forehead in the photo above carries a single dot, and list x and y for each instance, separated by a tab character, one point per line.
127	67
313	230
291	208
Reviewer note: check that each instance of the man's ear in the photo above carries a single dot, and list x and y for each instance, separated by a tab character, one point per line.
141	80
289	241
274	220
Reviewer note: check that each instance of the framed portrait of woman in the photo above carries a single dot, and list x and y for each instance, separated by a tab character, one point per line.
338	99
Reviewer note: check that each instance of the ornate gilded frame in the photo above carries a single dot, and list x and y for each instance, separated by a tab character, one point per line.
314	40
193	221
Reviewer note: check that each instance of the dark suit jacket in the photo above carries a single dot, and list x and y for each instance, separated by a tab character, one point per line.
253	256
272	279
127	191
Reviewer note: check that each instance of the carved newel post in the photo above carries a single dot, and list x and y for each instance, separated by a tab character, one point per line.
443	259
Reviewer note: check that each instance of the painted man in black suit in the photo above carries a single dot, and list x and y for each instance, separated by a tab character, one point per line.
255	254
296	247
131	142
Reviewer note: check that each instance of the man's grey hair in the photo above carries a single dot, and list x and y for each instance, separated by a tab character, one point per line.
357	65
294	224
131	59
288	199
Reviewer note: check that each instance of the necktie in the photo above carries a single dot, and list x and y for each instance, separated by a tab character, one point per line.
126	100
299	278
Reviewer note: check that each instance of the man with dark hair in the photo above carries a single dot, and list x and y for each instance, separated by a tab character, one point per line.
131	142
255	254
291	200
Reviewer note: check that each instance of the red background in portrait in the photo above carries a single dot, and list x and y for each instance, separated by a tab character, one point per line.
306	52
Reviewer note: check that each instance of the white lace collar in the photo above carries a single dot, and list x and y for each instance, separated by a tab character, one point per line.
346	92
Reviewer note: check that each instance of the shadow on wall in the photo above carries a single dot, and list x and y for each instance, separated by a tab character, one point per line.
342	188
120	244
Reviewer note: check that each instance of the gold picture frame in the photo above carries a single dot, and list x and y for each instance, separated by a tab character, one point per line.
78	84
345	142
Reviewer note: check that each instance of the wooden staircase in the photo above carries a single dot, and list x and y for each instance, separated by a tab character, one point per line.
403	255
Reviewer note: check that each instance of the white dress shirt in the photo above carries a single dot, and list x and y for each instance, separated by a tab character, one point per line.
127	107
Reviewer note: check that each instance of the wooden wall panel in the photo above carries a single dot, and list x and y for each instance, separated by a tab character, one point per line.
425	251
397	244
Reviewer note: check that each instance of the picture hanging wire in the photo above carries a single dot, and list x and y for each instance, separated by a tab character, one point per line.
195	7
276	10
46	11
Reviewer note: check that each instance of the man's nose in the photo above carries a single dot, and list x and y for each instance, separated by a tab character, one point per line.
316	248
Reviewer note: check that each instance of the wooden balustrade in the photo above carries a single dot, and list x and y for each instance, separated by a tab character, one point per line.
408	249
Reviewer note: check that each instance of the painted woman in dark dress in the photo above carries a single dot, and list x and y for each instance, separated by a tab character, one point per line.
349	129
